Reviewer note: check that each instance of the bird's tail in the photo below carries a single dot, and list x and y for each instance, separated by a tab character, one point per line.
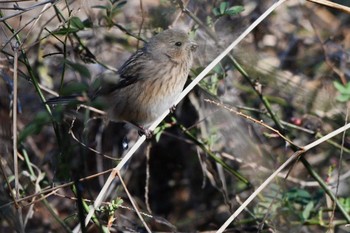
67	100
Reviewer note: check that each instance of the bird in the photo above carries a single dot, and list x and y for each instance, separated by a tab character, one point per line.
149	82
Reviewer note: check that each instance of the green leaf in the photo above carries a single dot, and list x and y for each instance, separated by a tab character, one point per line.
76	23
216	12
65	31
340	87
343	98
345	202
307	211
120	4
158	137
234	10
74	88
223	7
87	23
81	69
344	91
218	68
101	7
118	202
209	20
115	10
298	196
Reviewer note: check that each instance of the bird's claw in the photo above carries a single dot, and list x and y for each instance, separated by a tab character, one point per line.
172	109
148	133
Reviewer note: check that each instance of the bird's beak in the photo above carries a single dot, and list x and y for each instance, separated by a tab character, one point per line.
194	46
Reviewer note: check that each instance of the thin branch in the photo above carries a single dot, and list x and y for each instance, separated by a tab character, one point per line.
133	203
197	20
14	132
251	119
14	120
9	1
217	159
46	190
328	61
339	168
36	19
89	148
12	194
326	137
129	33
141	24
23	10
148	155
332	4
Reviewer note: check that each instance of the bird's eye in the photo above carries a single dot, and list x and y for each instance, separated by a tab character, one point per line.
178	44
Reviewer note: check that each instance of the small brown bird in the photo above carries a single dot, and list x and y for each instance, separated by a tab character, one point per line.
149	82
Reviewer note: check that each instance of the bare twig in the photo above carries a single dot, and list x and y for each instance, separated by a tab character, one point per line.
23	10
12	194
141	24
328	61
14	132
134	204
8	1
339	170
332	4
251	119
148	150
89	148
36	19
129	33
46	190
197	20
326	137
71	132
302	183
14	122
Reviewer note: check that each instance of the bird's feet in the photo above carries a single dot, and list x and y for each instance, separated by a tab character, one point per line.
172	109
148	133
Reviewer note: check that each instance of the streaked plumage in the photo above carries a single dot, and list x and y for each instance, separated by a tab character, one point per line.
150	80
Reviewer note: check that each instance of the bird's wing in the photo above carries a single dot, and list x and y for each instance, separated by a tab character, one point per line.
128	74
